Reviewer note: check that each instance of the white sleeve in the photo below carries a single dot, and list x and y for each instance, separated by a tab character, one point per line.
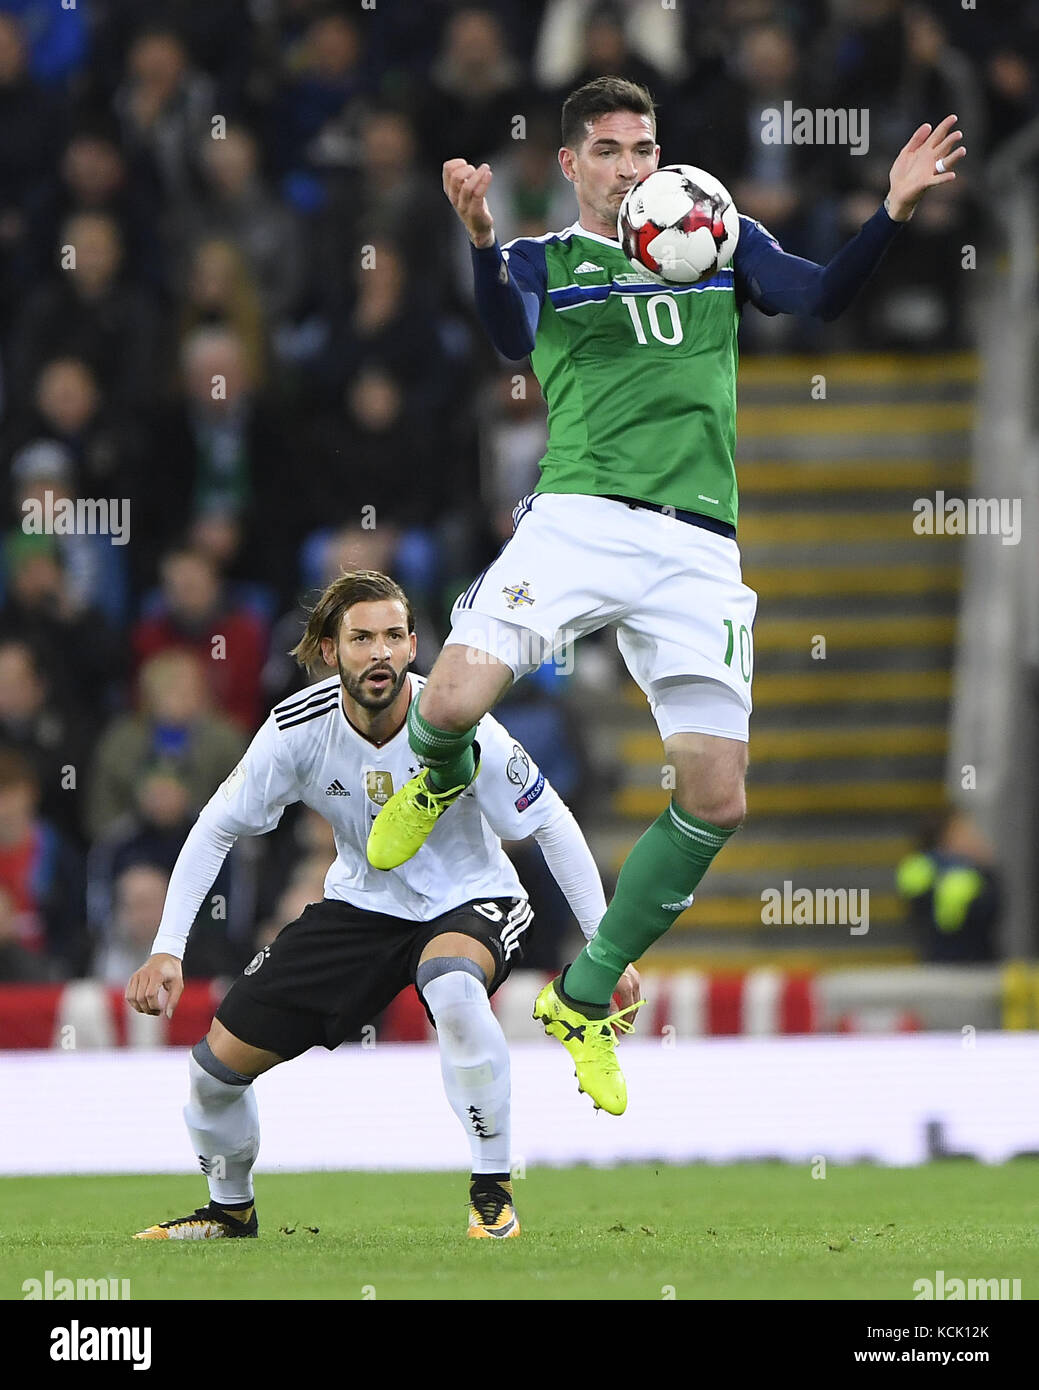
510	788
517	801
249	802
573	868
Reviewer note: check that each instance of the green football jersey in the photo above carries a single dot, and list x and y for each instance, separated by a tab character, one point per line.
640	378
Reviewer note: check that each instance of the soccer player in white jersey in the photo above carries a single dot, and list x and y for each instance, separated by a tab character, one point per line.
450	923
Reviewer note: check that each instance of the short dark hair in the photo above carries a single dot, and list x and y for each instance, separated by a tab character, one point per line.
326	617
598	98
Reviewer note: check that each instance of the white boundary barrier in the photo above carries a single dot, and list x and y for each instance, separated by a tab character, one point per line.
716	1099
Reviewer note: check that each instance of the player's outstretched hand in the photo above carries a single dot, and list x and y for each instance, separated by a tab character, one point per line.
915	170
628	992
158	972
466	187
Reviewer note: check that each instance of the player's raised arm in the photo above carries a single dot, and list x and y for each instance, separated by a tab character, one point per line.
778	283
466	189
510	285
925	161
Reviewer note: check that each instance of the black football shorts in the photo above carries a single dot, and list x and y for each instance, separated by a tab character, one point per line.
337	967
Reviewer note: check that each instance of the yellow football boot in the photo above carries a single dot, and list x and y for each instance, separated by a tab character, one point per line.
403	825
592	1044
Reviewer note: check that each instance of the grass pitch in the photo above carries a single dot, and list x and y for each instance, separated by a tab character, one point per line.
745	1231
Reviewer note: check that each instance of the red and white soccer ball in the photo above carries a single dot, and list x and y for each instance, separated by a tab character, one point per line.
679	225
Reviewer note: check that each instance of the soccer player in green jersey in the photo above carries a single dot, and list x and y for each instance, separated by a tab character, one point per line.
633	521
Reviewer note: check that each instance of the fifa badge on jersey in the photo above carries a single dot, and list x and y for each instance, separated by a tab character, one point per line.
378	785
518	594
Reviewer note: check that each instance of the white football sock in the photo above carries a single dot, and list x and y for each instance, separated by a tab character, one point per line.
474	1062
224	1125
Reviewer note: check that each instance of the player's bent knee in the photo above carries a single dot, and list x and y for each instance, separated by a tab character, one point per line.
457	945
436	967
725	812
226	1057
456	996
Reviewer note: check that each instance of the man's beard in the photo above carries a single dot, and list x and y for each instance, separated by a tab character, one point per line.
356	688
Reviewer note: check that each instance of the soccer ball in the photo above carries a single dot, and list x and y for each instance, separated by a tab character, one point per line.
679	225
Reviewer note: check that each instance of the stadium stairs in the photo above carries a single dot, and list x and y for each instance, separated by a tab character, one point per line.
847	748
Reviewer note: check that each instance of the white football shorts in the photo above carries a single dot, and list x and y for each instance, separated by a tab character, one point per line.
684	617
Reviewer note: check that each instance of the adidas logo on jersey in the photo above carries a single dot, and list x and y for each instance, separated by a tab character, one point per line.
336	788
586	267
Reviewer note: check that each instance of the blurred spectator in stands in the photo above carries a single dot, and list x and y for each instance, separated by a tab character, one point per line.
238	211
93	561
67	407
316	118
391	378
81	652
513	439
165	107
296	861
581	39
402	372
326	553
222	290
140	892
918	302
391	201
613	40
43	728
218	534
41	871
390	325
194	615
59	42
953	891
221	37
19	966
1011	87
31	121
937	77
776	183
475	90
151	836
222	447
305	886
87	310
93	176
861	52
532	195
175	730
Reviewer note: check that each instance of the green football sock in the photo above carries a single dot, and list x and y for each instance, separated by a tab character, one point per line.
449	756
653	888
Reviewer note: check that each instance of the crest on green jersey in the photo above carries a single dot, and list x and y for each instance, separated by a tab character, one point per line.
518	594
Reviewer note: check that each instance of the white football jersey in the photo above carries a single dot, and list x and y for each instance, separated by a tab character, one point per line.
309	751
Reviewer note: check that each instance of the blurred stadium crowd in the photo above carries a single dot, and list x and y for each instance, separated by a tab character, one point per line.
252	189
